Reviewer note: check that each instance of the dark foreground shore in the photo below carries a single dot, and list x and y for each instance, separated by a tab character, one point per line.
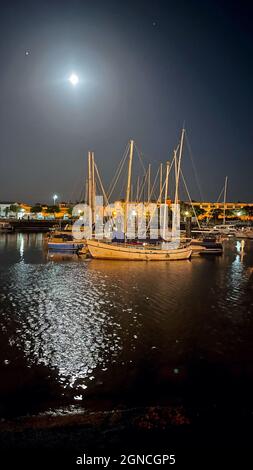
62	439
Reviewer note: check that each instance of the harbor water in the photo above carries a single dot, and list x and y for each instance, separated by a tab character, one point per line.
97	335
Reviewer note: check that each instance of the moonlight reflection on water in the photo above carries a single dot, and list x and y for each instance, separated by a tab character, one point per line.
127	331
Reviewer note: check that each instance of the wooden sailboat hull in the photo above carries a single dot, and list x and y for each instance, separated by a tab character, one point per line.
102	250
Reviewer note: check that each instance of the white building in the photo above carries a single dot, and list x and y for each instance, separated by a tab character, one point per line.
5	208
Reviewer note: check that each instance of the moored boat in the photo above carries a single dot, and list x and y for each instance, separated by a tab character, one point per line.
246	232
206	246
67	246
5	227
229	230
124	251
64	242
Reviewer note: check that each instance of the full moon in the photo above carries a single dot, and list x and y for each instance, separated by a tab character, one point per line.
74	79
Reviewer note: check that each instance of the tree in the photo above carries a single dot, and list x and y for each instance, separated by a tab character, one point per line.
199	211
186	210
15	208
53	209
70	210
36	209
216	213
246	211
231	213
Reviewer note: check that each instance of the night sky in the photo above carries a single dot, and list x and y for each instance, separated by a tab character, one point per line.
145	69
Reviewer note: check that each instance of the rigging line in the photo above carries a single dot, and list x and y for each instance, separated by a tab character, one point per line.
170	168
155	194
80	197
162	189
101	185
142	182
152	189
163	186
140	157
188	194
213	209
119	167
74	191
122	161
222	191
83	194
143	185
154	210
194	166
123	189
75	188
118	172
137	189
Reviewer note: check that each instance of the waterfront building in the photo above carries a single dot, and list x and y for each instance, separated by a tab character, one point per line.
5	208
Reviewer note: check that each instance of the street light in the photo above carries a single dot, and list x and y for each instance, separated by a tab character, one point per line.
21	213
55	197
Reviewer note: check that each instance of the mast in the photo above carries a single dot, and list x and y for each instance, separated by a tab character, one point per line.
149	181
166	181
161	183
89	180
93	188
175	165
225	197
178	165
175	162
129	176
165	197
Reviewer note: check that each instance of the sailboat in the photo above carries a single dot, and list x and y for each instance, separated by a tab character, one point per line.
102	249
128	252
225	229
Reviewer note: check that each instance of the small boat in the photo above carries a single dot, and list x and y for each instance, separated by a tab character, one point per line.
206	246
245	232
64	242
68	246
129	252
5	227
224	229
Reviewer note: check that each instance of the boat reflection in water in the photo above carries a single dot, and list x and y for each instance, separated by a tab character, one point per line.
62	256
